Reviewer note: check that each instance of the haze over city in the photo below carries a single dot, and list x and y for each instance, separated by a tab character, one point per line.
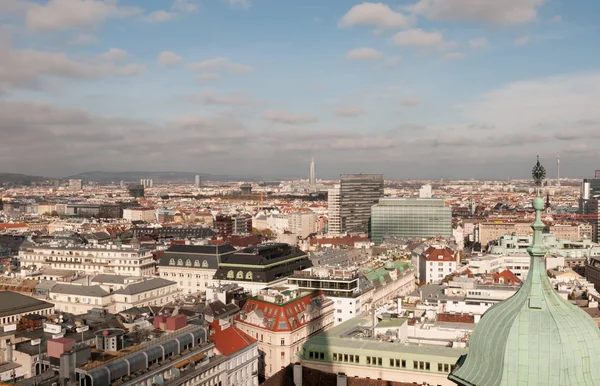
411	89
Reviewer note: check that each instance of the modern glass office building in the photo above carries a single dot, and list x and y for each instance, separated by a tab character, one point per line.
410	218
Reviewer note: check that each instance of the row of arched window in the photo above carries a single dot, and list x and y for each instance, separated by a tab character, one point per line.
239	275
188	263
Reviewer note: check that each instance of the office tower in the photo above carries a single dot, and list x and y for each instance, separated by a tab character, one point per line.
197	181
147	183
358	193
122	184
136	190
334	225
589	202
410	218
312	176
76	184
557	169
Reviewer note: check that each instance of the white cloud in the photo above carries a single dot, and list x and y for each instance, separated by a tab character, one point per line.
210	97
241	4
349	111
83	39
421	39
374	15
287	117
220	64
114	54
453	55
556	19
184	6
554	102
131	69
168	59
478	43
32	68
160	16
75	14
207	76
394	60
522	41
364	53
504	12
410	102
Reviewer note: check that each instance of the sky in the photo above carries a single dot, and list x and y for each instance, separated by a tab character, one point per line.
411	89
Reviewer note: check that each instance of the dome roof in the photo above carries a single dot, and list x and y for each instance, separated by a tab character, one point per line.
533	338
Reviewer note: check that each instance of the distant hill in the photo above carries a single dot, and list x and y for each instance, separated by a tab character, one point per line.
106	177
19	179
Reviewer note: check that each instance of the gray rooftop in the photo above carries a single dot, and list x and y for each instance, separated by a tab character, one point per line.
15	303
80	290
144	286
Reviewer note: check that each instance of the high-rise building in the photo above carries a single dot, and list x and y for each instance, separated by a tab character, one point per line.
146	182
410	218
312	174
197	181
589	202
358	193
334	224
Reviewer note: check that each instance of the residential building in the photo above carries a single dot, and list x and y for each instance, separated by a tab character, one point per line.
79	299
109	258
241	351
303	224
76	184
358	193
13	306
352	349
139	214
281	321
193	267
334	221
410	218
261	266
233	225
436	263
197	181
312	174
390	281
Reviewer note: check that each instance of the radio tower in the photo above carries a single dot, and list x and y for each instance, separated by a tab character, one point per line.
558	169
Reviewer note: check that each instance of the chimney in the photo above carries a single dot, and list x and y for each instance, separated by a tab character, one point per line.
297	374
342	380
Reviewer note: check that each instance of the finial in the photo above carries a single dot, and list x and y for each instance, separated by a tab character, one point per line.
538	173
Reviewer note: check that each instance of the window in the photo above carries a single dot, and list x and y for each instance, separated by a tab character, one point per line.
351	358
196	263
446	368
172	262
180	262
283	342
188	263
415	365
427	366
391	362
248	275
230	275
421	365
403	364
310	355
440	367
322	356
335	356
240	275
368	360
204	264
379	362
345	357
357	358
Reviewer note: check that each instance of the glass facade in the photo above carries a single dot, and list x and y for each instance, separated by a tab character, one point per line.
410	218
358	192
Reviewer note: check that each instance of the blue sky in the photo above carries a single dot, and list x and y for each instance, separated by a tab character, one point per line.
411	89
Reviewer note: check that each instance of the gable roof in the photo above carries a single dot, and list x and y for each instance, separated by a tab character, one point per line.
201	249
231	340
439	254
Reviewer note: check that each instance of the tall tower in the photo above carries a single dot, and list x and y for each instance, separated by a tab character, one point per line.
312	175
557	169
358	193
197	181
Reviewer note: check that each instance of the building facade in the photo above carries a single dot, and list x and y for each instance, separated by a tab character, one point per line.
334	224
281	321
358	193
437	263
410	218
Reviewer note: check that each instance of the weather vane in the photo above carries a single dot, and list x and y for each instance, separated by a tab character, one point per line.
538	173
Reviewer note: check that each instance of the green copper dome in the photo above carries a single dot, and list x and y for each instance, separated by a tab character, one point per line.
533	338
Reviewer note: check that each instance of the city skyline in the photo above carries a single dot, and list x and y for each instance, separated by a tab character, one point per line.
410	89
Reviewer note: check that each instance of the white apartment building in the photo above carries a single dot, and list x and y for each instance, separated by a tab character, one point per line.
79	299
278	223
139	214
435	263
516	263
334	220
241	351
109	258
303	224
281	321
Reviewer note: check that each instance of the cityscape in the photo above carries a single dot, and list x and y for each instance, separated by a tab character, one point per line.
286	193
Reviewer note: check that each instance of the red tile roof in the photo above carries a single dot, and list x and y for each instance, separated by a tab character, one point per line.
231	340
507	277
439	254
15	225
286	317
